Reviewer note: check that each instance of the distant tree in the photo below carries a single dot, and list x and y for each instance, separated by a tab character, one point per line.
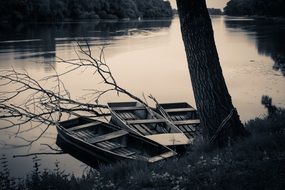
213	11
255	7
12	10
127	9
154	8
41	9
57	10
75	9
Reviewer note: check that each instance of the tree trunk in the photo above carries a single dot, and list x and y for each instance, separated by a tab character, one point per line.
212	98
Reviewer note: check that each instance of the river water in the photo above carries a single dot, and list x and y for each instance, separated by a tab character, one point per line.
145	57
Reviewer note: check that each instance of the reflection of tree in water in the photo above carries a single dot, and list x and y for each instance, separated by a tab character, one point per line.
270	39
40	40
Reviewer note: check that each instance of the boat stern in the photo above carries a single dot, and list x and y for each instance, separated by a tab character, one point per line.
162	156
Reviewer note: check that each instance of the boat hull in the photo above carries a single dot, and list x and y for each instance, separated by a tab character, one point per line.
110	144
89	150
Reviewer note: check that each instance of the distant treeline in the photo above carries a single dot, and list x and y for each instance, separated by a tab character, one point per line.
255	7
214	11
49	10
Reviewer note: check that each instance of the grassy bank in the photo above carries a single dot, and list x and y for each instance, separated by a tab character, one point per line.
257	162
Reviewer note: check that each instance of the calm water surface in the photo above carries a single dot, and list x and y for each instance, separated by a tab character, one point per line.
145	57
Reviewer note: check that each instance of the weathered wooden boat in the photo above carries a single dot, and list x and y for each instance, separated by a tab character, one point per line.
182	115
139	119
106	142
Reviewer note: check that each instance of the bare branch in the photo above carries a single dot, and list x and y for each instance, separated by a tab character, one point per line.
31	101
38	153
54	149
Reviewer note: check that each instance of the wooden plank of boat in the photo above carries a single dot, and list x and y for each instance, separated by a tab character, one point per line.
148	123
170	139
126	116
178	114
145	121
161	156
107	136
83	126
109	145
125	152
186	122
177	110
140	128
132	108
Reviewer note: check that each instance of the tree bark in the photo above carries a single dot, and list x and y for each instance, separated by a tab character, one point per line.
212	98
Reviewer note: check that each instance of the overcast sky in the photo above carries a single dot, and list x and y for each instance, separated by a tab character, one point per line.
211	3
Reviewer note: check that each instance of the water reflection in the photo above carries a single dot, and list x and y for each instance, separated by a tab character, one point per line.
148	57
269	38
23	44
33	40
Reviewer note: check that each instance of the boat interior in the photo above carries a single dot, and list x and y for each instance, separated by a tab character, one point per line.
141	119
183	115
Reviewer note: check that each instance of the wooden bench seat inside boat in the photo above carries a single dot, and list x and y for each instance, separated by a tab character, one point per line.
108	136
176	110
145	121
83	126
187	122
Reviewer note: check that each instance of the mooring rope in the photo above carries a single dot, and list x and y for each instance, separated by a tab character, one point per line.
222	125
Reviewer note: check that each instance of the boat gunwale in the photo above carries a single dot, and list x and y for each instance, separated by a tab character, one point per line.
161	109
176	103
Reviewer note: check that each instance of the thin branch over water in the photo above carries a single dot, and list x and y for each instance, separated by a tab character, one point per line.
42	107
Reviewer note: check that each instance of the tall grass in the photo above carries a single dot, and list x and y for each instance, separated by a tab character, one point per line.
257	162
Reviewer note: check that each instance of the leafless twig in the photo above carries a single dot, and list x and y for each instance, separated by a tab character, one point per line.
30	101
39	153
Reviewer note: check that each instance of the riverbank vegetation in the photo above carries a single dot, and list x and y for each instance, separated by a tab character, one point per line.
51	10
214	11
255	7
257	162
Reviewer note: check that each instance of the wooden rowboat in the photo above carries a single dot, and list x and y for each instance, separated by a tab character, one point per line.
182	115
139	119
108	143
